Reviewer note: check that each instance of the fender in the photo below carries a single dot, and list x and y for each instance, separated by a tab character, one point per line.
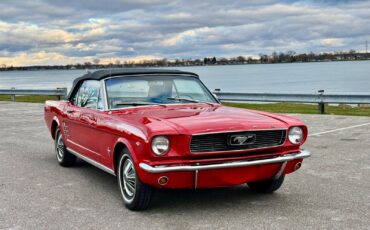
124	141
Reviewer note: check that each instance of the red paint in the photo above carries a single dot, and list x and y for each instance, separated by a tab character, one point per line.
96	134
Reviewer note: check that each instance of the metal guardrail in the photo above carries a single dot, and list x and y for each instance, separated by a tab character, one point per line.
320	98
61	93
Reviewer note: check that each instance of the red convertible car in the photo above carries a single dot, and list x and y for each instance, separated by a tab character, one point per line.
165	129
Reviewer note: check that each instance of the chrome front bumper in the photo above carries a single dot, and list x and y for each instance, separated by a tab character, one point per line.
281	159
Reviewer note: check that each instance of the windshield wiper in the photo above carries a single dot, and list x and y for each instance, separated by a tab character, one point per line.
188	100
182	99
138	103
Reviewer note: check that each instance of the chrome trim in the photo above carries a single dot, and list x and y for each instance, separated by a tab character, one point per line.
158	74
141	106
239	150
238	131
131	107
90	161
163	168
196	178
80	146
106	106
281	170
152	74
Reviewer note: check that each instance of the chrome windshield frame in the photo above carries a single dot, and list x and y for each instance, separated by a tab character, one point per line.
107	108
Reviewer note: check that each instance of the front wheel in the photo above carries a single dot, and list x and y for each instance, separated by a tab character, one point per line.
64	157
136	195
266	186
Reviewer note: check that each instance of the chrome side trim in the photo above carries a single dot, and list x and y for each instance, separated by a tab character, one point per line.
82	147
90	161
163	168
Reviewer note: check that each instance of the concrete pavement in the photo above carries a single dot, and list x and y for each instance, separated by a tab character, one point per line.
331	190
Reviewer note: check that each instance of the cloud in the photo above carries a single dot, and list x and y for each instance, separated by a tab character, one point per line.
53	31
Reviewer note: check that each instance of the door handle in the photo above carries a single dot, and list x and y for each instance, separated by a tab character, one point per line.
70	111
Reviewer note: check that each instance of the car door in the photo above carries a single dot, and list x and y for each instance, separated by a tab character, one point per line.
82	118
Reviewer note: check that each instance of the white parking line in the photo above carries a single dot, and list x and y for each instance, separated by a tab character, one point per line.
335	130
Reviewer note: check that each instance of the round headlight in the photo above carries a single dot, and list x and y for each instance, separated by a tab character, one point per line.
160	145
295	135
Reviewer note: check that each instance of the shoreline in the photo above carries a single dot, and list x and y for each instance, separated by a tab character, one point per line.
83	67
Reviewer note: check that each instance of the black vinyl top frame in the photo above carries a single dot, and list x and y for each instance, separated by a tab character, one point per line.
102	74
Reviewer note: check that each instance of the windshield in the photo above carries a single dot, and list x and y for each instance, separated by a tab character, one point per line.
146	90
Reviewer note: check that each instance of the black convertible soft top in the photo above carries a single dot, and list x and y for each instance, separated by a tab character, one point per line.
102	74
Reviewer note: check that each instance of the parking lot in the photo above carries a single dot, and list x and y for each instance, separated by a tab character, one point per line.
331	190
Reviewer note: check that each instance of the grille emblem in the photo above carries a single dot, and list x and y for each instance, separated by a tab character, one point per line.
246	139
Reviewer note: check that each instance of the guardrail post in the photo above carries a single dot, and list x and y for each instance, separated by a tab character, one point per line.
12	96
321	106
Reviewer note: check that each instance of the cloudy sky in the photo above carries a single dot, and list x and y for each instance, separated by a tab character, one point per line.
63	32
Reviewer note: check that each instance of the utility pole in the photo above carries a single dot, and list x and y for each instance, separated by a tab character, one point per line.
366	46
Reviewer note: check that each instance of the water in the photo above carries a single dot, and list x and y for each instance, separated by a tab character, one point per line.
333	77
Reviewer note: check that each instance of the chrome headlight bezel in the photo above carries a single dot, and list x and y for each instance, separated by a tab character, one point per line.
160	145
296	135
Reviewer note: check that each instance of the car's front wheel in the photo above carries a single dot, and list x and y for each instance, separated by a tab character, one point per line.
135	194
64	157
266	186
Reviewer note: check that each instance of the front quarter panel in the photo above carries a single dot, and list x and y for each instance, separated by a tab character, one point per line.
53	112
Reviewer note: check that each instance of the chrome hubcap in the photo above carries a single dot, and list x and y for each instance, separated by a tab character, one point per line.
60	147
129	178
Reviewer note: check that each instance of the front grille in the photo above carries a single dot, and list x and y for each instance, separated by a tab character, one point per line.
220	142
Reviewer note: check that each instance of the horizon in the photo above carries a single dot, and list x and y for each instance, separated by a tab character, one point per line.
50	33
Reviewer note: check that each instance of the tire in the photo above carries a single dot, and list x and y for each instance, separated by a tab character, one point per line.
64	158
266	186
135	194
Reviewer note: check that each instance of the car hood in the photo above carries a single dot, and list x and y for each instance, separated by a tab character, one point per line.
202	118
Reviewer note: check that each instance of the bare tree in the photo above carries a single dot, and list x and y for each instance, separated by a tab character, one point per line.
240	59
96	61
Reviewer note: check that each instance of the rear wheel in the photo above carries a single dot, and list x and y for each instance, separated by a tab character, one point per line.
266	186
64	157
136	195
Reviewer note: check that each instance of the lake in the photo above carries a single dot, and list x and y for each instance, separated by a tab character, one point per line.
333	77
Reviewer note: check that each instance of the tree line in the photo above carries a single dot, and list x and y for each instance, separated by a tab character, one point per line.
282	57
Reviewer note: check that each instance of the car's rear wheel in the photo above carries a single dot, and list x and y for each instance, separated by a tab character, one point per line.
266	186
64	157
135	194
